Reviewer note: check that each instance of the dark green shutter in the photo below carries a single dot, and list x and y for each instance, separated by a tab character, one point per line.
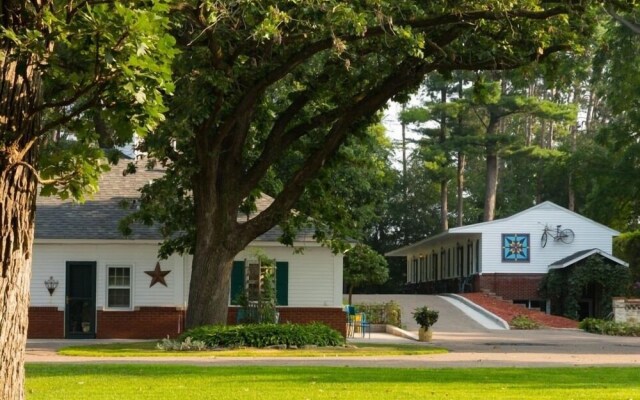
237	281
282	283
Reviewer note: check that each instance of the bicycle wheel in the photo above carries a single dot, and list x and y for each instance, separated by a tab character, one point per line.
567	236
543	239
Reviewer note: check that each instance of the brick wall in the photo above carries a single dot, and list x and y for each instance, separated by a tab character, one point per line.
45	323
510	286
334	317
143	323
160	322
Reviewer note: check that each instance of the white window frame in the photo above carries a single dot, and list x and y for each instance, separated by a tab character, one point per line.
108	286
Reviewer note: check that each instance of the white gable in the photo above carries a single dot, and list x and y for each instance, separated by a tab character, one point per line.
529	225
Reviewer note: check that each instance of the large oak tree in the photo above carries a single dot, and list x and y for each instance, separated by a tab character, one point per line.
62	64
270	89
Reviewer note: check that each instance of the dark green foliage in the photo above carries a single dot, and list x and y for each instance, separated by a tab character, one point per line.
523	322
627	247
564	287
363	265
384	313
265	335
612	328
425	317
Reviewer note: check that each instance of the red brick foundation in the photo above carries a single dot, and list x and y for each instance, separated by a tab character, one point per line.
160	322
142	323
334	317
510	286
45	323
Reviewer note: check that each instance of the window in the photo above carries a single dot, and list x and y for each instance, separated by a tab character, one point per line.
118	286
434	263
248	278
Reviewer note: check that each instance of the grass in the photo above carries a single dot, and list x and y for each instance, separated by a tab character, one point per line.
148	349
167	382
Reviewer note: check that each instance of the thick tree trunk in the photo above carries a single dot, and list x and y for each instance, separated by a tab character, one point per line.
213	253
209	287
19	93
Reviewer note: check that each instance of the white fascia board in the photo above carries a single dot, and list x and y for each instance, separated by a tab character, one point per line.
96	241
589	254
406	250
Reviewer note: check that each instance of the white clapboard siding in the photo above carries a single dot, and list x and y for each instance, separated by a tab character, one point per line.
315	275
50	260
588	235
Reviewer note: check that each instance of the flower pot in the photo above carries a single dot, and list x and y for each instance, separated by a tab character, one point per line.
425	334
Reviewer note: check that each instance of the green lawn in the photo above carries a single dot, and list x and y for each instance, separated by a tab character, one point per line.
160	382
148	349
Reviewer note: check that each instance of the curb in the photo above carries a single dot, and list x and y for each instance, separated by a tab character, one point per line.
395	331
479	309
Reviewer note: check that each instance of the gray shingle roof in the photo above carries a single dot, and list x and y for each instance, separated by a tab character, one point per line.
99	216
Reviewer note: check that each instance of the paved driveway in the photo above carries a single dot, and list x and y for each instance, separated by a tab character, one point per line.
451	319
469	345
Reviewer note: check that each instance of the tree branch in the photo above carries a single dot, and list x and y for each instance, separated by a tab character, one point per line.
410	72
34	171
634	27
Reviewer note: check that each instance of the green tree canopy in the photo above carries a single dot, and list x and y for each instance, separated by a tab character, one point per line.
268	88
363	265
64	64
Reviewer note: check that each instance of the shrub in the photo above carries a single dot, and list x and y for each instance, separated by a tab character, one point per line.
382	313
425	317
523	322
265	335
187	344
611	328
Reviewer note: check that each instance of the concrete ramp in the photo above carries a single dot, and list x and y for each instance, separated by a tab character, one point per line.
455	316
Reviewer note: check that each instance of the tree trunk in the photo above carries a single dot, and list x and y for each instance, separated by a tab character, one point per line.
492	185
444	202
213	254
574	144
491	182
444	205
20	92
461	165
209	287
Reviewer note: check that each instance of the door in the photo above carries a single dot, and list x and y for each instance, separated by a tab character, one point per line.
80	310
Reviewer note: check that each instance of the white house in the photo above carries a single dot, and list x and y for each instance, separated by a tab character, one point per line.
509	256
110	286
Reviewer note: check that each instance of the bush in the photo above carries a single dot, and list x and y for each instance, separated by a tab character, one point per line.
182	345
425	317
382	313
265	335
612	328
523	322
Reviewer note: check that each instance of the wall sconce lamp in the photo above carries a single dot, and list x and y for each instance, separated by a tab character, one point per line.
51	285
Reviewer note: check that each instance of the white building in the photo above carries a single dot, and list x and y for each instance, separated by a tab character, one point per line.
110	286
509	256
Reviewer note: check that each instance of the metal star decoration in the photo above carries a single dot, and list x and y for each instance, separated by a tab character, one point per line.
157	275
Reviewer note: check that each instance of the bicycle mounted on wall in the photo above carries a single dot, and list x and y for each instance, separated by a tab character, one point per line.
563	235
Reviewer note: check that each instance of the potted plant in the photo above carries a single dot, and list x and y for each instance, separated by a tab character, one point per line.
425	317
